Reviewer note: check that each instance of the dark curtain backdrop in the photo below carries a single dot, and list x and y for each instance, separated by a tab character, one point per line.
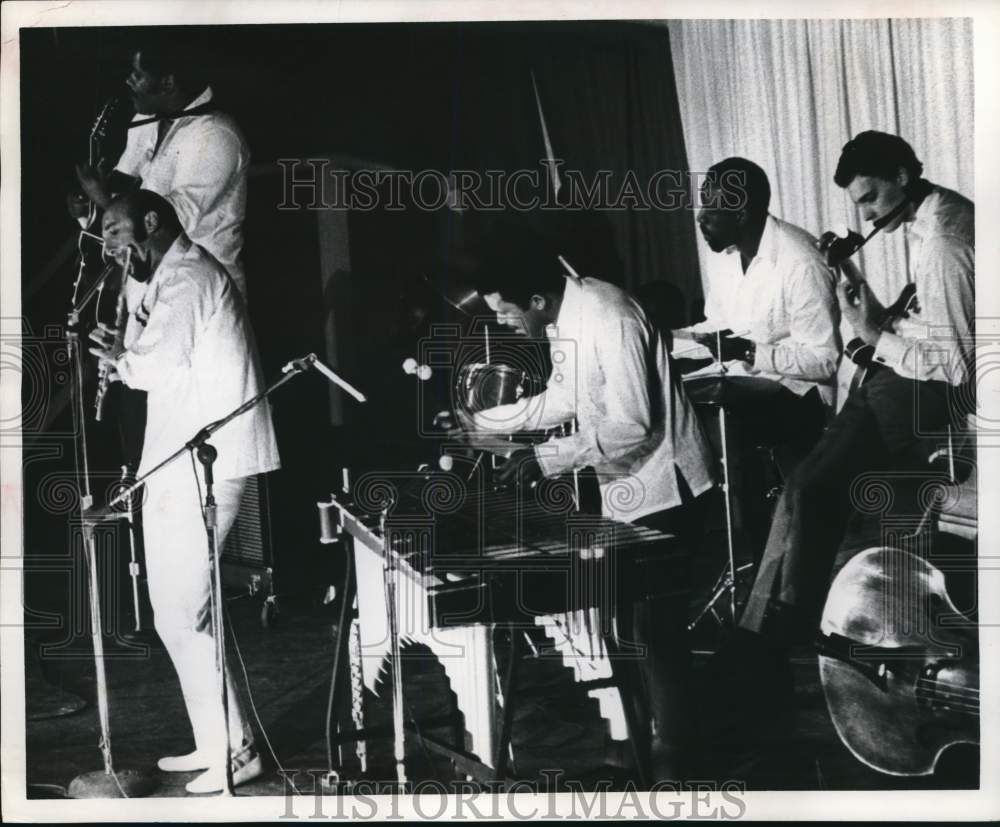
610	103
608	95
430	96
409	97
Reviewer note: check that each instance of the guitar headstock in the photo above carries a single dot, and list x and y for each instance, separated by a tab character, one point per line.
837	248
109	125
110	113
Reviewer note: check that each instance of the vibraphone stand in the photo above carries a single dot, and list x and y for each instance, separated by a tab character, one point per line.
623	679
339	732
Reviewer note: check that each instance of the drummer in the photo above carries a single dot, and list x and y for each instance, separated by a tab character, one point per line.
636	428
773	300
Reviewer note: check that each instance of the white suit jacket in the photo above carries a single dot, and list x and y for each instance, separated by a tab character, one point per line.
201	169
190	347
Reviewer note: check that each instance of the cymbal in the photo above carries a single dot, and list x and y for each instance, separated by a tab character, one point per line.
730	390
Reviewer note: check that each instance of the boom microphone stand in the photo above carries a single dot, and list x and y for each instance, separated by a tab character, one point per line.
198	445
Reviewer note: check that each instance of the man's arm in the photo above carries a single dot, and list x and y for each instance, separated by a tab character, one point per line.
936	344
814	349
621	345
98	188
166	343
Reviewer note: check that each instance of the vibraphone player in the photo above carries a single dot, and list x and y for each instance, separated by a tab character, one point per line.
635	428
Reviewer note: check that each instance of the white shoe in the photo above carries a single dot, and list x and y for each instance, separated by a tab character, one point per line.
184	763
247	765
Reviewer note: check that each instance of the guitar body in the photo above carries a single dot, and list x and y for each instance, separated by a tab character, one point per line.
862	353
901	685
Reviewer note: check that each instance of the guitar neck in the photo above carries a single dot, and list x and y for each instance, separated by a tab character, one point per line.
900	307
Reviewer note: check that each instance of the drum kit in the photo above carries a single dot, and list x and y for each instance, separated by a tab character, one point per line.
726	395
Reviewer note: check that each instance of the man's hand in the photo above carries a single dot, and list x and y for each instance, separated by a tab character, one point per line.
460	425
522	466
726	349
108	349
861	309
94	182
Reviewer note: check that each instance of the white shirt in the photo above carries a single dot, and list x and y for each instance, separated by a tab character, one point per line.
786	303
190	346
636	428
936	341
201	169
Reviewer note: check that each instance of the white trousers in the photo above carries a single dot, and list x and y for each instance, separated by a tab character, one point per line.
180	583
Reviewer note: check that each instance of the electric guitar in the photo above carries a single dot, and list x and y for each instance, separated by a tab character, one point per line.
110	121
859	351
837	251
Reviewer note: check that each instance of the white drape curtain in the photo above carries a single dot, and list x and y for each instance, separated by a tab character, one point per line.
787	94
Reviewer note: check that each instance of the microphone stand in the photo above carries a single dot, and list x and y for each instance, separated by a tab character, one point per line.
207	455
106	783
199	439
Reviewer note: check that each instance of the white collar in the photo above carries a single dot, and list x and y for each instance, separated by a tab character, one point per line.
767	247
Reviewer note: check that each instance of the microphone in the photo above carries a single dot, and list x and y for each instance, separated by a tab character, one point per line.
299	365
312	361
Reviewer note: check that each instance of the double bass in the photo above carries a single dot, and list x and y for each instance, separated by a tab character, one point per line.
901	681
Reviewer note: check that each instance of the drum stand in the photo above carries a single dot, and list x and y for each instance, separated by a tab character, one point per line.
725	584
722	396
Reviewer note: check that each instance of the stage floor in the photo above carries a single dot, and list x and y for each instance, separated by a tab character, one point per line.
288	668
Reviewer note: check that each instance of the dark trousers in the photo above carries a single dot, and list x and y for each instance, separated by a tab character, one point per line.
879	428
654	603
774	436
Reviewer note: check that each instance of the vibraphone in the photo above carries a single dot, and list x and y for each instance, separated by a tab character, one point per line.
456	560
